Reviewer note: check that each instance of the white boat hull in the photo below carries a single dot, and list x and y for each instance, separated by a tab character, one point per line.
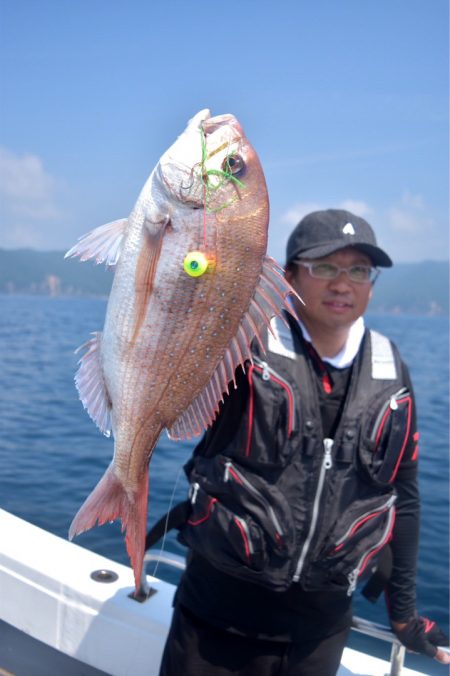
47	591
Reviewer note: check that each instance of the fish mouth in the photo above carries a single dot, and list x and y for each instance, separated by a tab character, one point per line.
198	119
212	124
196	157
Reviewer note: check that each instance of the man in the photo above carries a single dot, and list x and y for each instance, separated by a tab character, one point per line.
306	475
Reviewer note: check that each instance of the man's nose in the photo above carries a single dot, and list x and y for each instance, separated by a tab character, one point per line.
341	282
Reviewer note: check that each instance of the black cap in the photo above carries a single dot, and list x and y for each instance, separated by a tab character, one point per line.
321	233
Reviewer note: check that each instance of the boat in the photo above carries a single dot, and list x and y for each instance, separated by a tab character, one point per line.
67	610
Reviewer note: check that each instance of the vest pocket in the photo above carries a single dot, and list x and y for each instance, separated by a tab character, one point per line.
242	524
358	537
244	490
271	415
227	540
386	437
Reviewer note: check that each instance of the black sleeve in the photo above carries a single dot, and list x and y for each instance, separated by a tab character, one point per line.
401	589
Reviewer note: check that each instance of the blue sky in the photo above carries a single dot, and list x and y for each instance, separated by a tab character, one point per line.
346	103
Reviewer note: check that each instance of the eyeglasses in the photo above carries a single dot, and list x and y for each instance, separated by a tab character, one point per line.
356	273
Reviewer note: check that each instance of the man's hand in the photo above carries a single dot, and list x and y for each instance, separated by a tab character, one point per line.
421	635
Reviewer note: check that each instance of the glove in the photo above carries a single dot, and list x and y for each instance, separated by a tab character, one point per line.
421	635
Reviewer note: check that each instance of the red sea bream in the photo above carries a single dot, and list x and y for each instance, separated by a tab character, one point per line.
192	288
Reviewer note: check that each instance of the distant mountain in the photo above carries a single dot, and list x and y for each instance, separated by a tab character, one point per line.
410	288
413	288
46	272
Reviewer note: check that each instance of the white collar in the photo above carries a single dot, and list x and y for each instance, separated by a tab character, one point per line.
346	356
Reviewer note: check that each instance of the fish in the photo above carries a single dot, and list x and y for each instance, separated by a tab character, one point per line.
192	288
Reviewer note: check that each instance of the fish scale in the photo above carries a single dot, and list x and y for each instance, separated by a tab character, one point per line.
171	342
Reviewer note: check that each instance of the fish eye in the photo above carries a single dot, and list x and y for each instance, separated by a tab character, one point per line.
233	164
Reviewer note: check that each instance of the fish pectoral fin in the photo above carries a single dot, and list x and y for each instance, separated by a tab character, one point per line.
145	274
104	243
269	300
91	385
156	221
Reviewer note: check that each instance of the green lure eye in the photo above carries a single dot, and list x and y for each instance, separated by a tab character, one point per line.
195	264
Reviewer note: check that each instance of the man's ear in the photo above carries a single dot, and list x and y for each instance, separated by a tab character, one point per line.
289	273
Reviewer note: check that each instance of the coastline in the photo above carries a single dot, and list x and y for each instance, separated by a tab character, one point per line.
435	310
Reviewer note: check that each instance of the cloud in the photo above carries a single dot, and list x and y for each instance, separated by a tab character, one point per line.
406	227
278	235
409	215
357	207
30	215
27	191
293	215
347	155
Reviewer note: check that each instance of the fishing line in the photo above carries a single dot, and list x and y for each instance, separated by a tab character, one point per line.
209	186
204	216
196	262
167	521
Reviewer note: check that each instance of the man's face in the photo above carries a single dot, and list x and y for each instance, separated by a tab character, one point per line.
332	304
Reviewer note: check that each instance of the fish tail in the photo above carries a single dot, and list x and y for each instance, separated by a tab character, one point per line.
109	501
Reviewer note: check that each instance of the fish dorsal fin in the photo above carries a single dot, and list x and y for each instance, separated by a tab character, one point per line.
104	243
91	385
269	300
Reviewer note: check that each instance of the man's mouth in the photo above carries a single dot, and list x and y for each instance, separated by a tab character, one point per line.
338	305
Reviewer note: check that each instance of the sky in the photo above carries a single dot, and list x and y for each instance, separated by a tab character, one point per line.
345	102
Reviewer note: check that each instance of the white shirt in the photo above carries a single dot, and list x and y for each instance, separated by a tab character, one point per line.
346	356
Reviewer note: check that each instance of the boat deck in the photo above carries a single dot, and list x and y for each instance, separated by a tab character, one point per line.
22	655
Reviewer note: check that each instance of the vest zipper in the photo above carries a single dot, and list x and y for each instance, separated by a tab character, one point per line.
393	405
231	469
327	464
193	490
363	517
353	576
246	538
268	372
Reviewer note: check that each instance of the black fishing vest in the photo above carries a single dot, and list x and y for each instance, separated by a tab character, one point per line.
281	503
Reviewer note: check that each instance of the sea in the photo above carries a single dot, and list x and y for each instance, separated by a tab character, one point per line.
52	455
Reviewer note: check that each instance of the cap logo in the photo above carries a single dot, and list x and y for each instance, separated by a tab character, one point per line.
348	229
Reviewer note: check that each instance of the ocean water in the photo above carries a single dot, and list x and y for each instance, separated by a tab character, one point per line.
52	455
